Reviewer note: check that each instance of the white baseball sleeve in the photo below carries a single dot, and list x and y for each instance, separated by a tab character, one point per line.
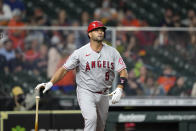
73	61
119	63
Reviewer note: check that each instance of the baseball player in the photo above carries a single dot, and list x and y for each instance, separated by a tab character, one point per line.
95	64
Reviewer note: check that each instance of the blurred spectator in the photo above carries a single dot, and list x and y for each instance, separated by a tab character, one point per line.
151	87
63	19
17	64
70	42
19	97
177	20
40	64
178	89
17	35
193	92
40	18
37	12
31	54
143	74
179	37
191	46
121	16
133	88
121	42
120	46
57	36
74	37
5	13
131	46
78	38
15	4
145	38
83	37
138	64
85	19
54	56
130	52
193	22
68	82
190	15
37	35
3	64
21	101
106	14
130	19
7	51
167	79
162	39
167	20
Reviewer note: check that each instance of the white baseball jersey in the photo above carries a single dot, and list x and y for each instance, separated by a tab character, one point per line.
95	71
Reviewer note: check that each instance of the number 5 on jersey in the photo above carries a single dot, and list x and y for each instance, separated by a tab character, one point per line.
107	76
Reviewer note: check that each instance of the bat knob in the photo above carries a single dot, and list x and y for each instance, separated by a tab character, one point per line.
37	97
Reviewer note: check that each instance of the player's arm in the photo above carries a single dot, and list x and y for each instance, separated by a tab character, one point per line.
59	74
71	63
123	78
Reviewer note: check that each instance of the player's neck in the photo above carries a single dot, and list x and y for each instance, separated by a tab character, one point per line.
96	46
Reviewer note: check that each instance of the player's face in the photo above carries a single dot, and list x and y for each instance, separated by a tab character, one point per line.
97	35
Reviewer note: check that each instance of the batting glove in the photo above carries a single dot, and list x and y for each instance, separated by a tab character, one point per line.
46	86
116	95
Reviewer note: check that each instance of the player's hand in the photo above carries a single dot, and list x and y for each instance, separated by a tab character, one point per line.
46	86
116	95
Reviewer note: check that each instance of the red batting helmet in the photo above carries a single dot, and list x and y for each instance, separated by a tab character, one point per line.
94	25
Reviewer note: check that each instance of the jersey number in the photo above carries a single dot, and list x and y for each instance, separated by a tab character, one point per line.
107	76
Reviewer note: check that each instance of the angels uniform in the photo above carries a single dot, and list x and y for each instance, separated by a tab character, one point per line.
95	73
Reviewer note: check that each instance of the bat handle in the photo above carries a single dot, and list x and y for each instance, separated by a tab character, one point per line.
36	113
110	94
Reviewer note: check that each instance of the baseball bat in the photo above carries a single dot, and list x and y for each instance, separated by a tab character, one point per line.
36	112
110	94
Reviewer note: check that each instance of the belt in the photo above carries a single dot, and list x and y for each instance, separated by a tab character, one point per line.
101	92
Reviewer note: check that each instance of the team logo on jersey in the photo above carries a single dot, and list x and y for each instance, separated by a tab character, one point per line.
99	64
120	60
